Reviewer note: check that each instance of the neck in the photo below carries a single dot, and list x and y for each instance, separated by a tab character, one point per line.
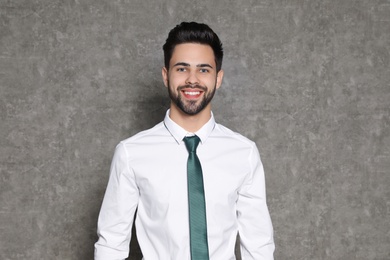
190	123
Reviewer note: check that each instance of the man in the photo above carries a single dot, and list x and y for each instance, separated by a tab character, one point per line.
190	203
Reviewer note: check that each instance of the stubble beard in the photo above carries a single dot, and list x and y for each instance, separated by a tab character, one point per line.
191	107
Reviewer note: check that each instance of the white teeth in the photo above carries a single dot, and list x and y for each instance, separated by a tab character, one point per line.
192	93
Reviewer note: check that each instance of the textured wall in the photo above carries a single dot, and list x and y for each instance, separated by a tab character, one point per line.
308	80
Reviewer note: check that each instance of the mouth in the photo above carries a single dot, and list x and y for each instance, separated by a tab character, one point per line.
191	93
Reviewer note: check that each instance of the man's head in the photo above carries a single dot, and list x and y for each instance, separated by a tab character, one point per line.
192	71
192	32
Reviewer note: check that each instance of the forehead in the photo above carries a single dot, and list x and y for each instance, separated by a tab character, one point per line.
193	53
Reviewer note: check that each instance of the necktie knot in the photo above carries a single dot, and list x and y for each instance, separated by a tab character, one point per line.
191	143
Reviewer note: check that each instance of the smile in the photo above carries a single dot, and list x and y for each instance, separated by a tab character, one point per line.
192	93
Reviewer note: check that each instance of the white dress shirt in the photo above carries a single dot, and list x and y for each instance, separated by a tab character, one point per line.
149	173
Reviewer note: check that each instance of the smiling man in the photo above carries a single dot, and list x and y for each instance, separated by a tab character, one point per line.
194	183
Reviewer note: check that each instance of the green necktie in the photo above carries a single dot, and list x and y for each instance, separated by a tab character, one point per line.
196	202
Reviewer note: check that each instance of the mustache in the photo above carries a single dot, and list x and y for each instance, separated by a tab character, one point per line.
192	86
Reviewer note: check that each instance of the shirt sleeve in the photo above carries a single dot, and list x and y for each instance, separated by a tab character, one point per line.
254	222
117	211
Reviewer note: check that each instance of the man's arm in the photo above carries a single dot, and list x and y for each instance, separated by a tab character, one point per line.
117	211
254	222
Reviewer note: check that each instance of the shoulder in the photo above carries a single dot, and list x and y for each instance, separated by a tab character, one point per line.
240	147
223	131
156	132
227	132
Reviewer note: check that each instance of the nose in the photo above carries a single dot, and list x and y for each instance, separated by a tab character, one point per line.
192	79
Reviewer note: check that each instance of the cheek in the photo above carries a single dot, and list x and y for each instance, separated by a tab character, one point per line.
211	82
175	81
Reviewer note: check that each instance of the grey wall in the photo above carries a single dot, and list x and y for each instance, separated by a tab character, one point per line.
307	80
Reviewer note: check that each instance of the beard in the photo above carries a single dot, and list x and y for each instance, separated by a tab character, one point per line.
191	107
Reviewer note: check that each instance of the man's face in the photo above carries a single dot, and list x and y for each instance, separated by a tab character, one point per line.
192	77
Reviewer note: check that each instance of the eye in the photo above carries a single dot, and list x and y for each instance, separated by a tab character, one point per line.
181	69
203	70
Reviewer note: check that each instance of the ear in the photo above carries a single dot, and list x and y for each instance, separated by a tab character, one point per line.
164	73
219	79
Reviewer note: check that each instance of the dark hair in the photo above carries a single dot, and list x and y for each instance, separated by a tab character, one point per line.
192	32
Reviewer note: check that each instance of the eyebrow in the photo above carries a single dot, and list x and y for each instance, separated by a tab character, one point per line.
202	65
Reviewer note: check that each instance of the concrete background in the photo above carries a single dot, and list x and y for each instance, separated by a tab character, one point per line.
307	80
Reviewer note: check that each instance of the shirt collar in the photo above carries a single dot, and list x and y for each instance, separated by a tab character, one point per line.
179	133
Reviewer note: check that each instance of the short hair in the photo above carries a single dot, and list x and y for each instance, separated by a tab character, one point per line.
192	32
